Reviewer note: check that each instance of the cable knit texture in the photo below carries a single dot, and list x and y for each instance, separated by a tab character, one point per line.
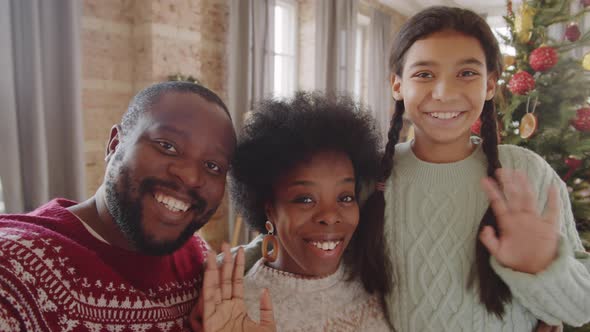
322	304
432	216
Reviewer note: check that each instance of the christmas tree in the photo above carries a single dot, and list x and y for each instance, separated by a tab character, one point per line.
544	97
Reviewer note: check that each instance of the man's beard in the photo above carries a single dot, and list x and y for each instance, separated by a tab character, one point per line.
125	206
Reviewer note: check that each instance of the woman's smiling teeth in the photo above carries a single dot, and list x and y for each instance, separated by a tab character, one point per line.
326	245
444	115
172	203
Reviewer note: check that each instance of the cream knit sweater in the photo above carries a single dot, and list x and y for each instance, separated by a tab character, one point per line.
325	304
432	216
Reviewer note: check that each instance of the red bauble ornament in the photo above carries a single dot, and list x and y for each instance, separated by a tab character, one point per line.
476	127
582	120
543	58
521	83
572	32
573	163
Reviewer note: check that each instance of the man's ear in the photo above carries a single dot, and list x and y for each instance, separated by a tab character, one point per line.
396	87
113	143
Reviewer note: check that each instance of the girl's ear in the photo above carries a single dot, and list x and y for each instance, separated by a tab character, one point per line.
491	86
396	87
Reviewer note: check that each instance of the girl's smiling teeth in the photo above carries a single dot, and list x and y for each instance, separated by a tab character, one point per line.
171	203
444	115
326	245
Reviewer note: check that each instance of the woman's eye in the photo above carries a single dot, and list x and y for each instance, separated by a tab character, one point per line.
304	200
167	146
213	167
347	199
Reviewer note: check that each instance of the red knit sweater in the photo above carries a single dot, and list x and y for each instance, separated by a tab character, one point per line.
56	276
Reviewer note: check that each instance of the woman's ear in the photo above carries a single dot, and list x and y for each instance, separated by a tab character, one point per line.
270	212
396	87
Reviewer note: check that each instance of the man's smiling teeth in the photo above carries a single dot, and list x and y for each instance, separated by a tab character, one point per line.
326	245
172	203
444	115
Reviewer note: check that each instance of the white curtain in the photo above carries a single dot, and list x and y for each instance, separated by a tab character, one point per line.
336	23
41	141
379	92
251	37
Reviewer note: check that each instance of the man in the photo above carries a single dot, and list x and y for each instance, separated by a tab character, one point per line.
126	259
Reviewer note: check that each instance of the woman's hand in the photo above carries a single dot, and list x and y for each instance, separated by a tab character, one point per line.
221	305
527	241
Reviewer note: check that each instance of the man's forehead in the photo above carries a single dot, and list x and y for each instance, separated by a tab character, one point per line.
171	104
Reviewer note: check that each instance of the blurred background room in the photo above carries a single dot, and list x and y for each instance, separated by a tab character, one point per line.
69	68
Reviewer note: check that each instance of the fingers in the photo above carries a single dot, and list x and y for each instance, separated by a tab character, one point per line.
490	240
553	211
211	293
226	272
497	201
266	313
529	199
196	316
510	188
238	275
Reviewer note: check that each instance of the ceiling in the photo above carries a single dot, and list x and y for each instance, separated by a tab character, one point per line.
410	7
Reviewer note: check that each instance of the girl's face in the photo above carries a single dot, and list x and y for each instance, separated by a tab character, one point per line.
315	214
444	85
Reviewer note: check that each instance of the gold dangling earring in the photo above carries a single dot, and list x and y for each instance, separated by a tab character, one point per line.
272	256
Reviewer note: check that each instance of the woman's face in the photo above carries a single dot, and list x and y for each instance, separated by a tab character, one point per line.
315	213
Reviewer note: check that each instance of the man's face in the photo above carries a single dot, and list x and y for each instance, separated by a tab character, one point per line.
166	177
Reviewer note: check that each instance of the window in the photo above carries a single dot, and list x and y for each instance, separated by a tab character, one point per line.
360	89
499	28
285	48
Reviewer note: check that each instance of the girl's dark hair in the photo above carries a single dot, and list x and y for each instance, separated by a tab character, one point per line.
493	292
280	135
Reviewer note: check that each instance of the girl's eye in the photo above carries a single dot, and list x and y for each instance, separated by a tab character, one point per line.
213	167
347	199
167	147
423	75
468	73
303	200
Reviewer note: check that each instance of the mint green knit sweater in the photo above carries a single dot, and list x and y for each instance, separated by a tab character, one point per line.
431	221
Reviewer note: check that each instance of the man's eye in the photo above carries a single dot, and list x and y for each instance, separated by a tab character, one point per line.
167	146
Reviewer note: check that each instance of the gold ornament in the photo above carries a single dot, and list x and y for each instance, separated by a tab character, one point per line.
528	125
523	23
509	60
586	61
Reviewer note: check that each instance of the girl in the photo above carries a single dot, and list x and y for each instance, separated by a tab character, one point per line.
296	176
466	259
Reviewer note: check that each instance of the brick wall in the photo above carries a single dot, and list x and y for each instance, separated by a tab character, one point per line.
129	44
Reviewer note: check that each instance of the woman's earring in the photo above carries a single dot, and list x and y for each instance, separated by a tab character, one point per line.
272	256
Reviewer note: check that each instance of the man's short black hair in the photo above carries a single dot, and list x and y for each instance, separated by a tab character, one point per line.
149	96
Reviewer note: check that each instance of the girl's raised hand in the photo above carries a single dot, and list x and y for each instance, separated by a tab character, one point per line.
221	307
527	241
